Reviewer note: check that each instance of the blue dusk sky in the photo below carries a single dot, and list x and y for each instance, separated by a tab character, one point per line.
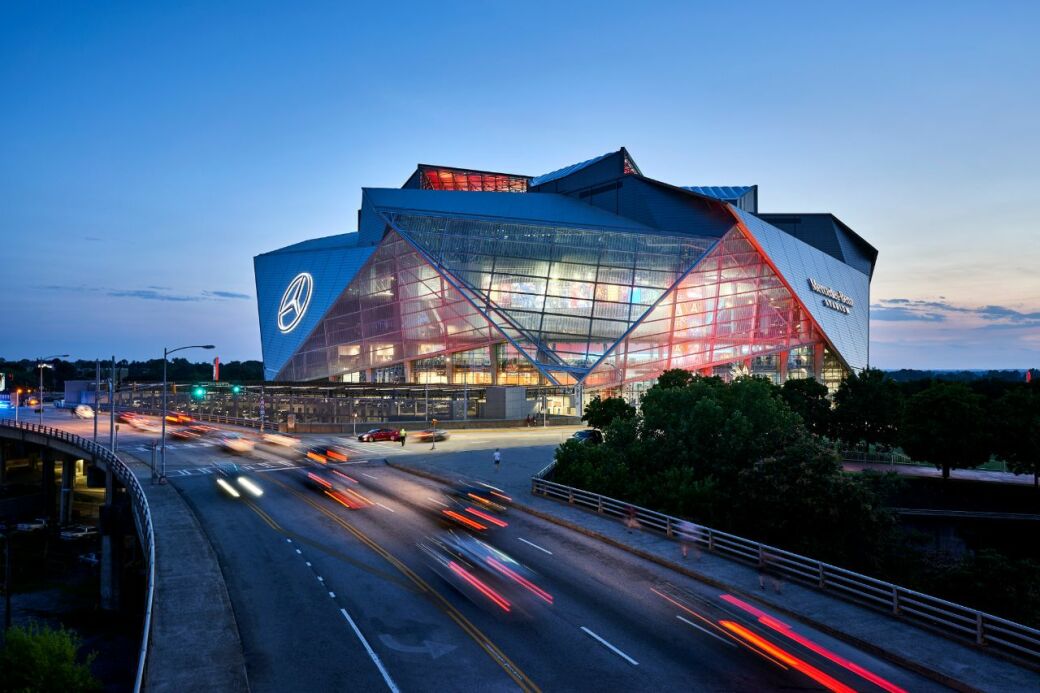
150	150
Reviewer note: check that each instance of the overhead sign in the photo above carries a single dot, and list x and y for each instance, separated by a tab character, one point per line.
832	298
294	302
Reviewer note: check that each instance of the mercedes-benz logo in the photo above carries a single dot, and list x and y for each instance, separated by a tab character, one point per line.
295	300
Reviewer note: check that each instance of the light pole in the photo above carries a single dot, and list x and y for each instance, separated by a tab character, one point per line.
40	363
166	352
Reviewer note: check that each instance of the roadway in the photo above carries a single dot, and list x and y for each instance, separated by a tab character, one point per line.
331	597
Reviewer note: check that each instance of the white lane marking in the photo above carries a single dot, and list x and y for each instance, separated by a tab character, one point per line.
321	579
299	552
610	647
384	507
308	564
529	543
371	653
705	630
332	595
288	540
434	500
369	476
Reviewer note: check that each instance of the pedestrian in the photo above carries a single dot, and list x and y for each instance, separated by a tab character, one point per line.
768	568
404	434
631	521
689	536
498	459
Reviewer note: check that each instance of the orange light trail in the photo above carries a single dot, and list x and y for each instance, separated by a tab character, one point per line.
506	570
785	630
489	518
338	497
484	589
463	519
809	670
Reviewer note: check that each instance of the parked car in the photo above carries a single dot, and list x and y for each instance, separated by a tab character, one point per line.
83	411
377	434
78	532
32	525
430	435
588	435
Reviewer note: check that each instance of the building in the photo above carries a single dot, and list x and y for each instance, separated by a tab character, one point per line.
593	276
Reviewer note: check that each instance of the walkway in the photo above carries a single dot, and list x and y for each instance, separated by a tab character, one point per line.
933	473
957	665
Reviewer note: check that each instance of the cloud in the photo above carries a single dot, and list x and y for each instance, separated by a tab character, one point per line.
149	293
152	295
902	314
226	294
983	317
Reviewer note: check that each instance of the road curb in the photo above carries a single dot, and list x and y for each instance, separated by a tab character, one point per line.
867	646
225	594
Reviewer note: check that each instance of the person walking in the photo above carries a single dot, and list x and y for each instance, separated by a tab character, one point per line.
403	436
498	459
689	535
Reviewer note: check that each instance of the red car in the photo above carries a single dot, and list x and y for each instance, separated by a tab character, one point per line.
380	434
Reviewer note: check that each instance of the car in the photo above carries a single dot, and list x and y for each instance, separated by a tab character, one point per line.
338	486
78	532
184	434
588	435
472	508
127	417
230	477
83	411
324	454
431	435
178	418
484	574
377	434
233	442
280	439
32	525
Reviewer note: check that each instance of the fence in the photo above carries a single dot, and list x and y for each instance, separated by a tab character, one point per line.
952	620
141	513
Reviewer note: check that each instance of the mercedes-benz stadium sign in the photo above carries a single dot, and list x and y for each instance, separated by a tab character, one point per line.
833	299
294	302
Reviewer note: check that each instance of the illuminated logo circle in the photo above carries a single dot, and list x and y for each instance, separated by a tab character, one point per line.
295	300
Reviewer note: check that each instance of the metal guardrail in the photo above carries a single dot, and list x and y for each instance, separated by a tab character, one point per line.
142	518
952	620
880	458
207	418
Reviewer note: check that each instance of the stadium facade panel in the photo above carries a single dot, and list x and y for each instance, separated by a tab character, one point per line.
592	276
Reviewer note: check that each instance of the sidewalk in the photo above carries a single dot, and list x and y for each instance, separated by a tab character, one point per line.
195	643
947	661
986	475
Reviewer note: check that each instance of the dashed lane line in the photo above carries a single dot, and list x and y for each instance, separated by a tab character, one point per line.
610	647
531	543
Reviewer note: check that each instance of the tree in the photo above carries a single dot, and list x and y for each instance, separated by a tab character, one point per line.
675	377
946	425
867	409
600	412
1017	437
38	658
808	398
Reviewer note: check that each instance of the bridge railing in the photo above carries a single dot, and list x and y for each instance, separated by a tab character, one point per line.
952	620
207	418
142	518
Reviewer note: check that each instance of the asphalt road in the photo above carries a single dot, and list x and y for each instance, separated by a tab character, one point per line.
330	598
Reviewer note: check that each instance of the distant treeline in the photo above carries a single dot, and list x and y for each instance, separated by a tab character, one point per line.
23	373
904	375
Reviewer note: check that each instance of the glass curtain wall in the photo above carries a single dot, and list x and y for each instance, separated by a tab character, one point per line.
397	309
731	308
565	295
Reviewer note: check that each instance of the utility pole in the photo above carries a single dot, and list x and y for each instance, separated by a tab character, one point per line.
97	395
112	408
7	578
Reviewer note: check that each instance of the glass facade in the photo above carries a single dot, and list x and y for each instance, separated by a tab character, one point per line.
730	311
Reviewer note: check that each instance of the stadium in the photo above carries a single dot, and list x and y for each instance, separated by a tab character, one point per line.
593	277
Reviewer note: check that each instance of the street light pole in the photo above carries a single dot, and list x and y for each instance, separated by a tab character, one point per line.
166	353
41	364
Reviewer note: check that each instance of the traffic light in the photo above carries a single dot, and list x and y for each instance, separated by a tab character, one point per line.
199	392
235	389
